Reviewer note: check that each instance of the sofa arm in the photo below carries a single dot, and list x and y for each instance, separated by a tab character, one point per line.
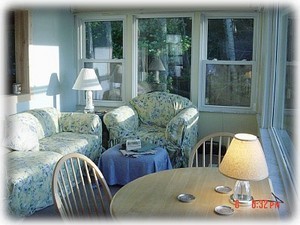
180	125
84	123
121	121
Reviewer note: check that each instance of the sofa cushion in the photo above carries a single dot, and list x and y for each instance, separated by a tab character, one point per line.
68	142
84	123
21	132
29	177
48	121
158	108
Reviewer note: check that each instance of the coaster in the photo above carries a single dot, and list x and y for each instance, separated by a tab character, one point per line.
224	210
186	197
223	189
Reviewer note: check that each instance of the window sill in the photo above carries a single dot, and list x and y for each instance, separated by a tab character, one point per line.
227	109
18	98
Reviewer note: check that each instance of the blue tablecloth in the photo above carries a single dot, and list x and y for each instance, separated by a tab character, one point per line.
119	169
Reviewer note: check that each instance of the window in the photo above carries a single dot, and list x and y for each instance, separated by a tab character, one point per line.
228	65
164	54
101	48
284	108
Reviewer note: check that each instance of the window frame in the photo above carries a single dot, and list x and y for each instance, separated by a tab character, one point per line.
278	132
270	124
204	61
22	39
81	19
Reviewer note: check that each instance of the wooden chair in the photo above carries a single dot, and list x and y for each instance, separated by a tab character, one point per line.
79	189
211	149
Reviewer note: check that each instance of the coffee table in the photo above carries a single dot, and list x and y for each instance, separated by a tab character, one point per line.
119	169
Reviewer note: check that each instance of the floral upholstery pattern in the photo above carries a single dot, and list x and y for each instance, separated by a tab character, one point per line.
121	122
21	132
68	142
29	177
52	134
47	121
169	120
82	123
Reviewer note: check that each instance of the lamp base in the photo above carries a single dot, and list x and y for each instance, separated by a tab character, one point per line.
89	110
241	193
89	106
242	201
156	78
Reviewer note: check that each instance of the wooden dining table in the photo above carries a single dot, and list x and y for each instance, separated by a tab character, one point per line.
156	196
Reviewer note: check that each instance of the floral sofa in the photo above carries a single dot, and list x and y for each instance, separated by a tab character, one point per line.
168	120
36	140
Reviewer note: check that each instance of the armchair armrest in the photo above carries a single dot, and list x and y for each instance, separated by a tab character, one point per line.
121	121
180	124
85	123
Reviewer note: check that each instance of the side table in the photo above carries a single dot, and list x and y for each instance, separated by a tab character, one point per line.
119	169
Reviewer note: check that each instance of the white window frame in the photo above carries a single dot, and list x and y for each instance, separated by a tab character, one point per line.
271	124
203	62
278	132
81	53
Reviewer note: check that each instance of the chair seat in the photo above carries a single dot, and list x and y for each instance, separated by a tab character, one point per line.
149	133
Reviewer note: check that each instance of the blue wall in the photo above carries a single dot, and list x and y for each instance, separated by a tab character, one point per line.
51	53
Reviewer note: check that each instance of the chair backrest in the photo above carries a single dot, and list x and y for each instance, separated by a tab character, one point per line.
79	188
210	150
158	108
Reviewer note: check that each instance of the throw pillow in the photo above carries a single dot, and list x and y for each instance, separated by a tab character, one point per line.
21	133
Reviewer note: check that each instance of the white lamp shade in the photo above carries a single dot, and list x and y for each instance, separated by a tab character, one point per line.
87	80
244	159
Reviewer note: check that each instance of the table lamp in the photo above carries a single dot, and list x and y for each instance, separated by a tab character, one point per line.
157	66
244	161
117	74
87	80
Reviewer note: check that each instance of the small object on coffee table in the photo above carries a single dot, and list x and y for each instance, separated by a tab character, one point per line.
223	189
186	197
224	210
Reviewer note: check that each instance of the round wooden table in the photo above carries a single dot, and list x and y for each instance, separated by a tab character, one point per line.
155	195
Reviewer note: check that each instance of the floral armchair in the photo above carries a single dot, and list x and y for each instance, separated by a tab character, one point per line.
168	120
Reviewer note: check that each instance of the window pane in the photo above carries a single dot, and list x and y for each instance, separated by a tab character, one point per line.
110	78
164	55
230	39
290	89
228	85
104	40
284	110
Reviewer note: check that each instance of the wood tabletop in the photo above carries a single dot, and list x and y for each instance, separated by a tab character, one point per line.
155	195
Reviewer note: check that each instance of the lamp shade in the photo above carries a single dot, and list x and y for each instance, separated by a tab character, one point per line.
244	159
157	65
87	80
